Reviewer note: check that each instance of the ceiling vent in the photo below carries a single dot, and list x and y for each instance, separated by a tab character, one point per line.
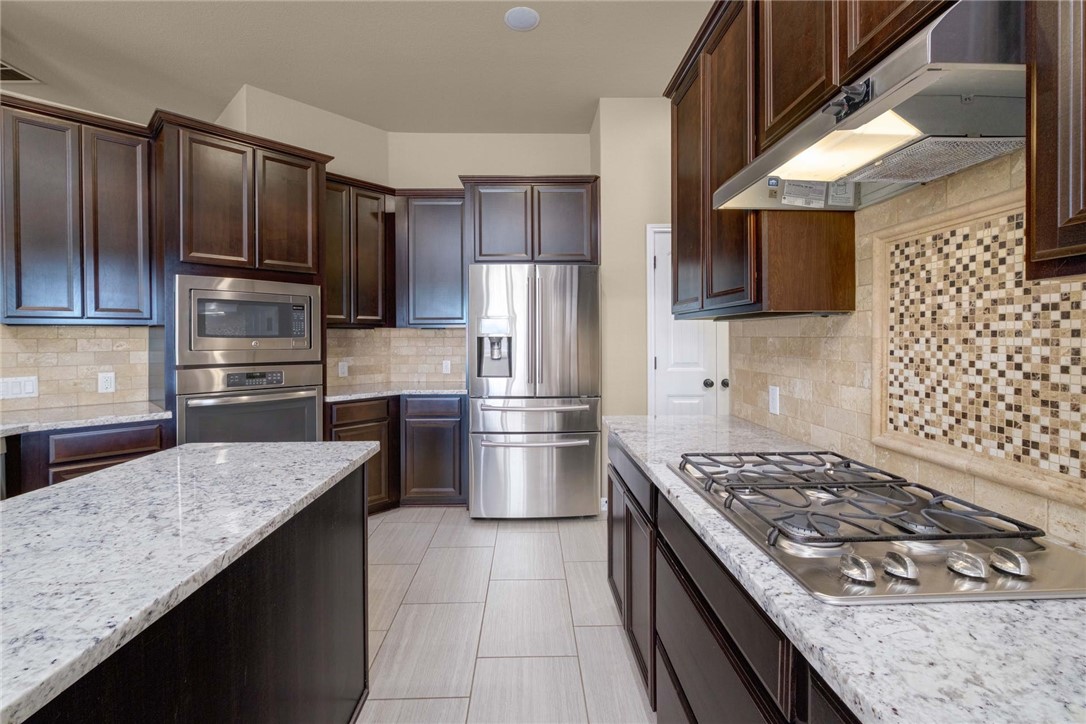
11	74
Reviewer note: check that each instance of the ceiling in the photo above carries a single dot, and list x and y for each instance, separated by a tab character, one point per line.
446	66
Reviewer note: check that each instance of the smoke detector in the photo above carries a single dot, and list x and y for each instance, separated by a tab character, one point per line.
522	19
11	74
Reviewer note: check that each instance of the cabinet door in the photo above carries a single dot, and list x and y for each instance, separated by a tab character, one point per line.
286	212
503	222
337	253
1055	149
369	257
377	477
430	258
216	201
564	225
616	542
796	71
641	544
116	225
731	246
42	251
688	193
867	30
432	461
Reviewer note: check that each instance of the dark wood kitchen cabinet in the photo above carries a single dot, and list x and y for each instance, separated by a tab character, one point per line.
1055	155
616	541
216	201
867	30
433	442
77	218
287	200
431	264
359	254
546	219
375	420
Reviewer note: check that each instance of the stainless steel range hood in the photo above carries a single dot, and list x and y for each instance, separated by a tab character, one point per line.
951	97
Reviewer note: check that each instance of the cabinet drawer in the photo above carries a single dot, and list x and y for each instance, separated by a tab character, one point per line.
64	473
345	413
431	407
74	446
640	487
765	648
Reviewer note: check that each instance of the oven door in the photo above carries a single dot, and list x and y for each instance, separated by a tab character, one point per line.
282	415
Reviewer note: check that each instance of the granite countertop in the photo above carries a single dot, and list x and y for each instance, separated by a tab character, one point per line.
365	392
88	565
1002	661
60	418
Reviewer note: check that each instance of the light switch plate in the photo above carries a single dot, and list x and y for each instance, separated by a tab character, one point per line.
107	382
446	367
14	387
774	400
342	369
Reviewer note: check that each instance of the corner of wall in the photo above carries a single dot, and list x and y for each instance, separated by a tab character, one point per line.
234	114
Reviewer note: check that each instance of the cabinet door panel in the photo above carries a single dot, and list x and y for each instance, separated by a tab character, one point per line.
216	201
116	225
688	195
640	548
503	216
796	73
431	259
432	461
616	542
377	477
337	253
286	212
564	223
670	708
867	30
42	249
369	269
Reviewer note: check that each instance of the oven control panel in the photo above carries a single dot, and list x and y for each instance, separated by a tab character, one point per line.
254	379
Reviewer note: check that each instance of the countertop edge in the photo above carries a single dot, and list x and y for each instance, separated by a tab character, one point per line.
23	428
393	392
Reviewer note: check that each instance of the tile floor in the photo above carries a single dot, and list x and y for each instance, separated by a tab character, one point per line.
495	621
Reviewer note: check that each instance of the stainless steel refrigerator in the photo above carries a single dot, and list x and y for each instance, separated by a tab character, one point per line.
534	383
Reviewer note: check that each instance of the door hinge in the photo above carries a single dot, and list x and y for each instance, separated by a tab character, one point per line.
653	262
654	363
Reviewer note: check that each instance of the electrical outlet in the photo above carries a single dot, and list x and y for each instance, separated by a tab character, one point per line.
774	400
603	505
446	367
342	369
12	387
107	382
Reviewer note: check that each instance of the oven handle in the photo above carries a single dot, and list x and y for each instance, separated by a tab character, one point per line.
513	408
242	399
561	443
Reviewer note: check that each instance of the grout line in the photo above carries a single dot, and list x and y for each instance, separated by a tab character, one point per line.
479	641
577	649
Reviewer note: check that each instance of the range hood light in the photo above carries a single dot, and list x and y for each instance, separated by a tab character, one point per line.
842	152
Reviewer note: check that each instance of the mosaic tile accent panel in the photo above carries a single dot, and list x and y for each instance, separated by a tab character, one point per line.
981	359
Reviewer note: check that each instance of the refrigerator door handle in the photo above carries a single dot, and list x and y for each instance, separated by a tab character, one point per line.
532	312
537	331
512	408
560	443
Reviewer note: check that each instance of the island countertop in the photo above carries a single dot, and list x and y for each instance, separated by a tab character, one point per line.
998	661
89	564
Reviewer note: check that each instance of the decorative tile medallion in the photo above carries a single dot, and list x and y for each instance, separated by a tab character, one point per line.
978	357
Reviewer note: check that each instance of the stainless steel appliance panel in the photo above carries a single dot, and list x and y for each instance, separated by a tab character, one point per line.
536	415
535	476
216	379
567	334
500	310
291	415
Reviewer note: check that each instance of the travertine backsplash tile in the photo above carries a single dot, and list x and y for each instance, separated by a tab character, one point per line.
397	357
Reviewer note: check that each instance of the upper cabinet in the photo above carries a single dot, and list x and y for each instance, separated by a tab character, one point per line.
216	201
431	264
359	254
286	212
1055	152
76	232
523	219
868	29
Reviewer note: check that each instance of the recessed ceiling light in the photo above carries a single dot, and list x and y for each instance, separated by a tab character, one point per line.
522	19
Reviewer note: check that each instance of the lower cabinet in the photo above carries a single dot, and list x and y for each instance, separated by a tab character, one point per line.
616	541
372	421
433	441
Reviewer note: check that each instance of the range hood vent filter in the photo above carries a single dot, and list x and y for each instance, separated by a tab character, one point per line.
934	157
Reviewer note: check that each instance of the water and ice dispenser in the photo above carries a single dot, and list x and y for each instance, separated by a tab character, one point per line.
494	347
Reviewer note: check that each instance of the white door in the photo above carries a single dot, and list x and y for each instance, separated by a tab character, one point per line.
686	358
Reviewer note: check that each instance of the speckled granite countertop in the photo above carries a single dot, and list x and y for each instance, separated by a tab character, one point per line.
61	418
365	392
86	567
1007	661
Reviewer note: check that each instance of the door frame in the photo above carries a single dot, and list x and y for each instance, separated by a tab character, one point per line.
651	230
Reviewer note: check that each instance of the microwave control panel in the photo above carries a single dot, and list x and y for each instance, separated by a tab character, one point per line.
254	379
297	320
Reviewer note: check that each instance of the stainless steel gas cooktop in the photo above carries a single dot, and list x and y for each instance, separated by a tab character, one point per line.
852	534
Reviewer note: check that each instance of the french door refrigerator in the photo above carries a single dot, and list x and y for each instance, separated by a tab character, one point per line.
534	383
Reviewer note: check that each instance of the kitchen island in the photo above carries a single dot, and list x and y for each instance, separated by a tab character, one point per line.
1001	661
205	582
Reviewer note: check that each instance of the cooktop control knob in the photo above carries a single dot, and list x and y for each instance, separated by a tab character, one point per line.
900	566
1008	561
967	564
857	568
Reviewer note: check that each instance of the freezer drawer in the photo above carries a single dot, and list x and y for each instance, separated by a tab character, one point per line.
535	476
536	415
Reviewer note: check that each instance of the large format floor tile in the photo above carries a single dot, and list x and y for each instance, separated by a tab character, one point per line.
527	618
612	685
452	575
459	530
527	555
590	597
375	639
529	525
394	542
412	514
387	586
414	711
584	540
428	652
527	690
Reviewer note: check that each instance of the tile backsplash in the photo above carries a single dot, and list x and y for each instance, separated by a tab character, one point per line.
396	357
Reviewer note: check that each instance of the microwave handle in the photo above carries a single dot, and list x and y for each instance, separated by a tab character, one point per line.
243	399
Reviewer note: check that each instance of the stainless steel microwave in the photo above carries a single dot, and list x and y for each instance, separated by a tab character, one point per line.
223	320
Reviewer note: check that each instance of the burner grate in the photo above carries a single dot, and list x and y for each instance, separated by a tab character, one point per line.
758	468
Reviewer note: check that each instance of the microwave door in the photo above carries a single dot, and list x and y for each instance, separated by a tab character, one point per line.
567	331
500	309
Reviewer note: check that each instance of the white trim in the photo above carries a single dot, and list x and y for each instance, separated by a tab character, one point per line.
651	230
